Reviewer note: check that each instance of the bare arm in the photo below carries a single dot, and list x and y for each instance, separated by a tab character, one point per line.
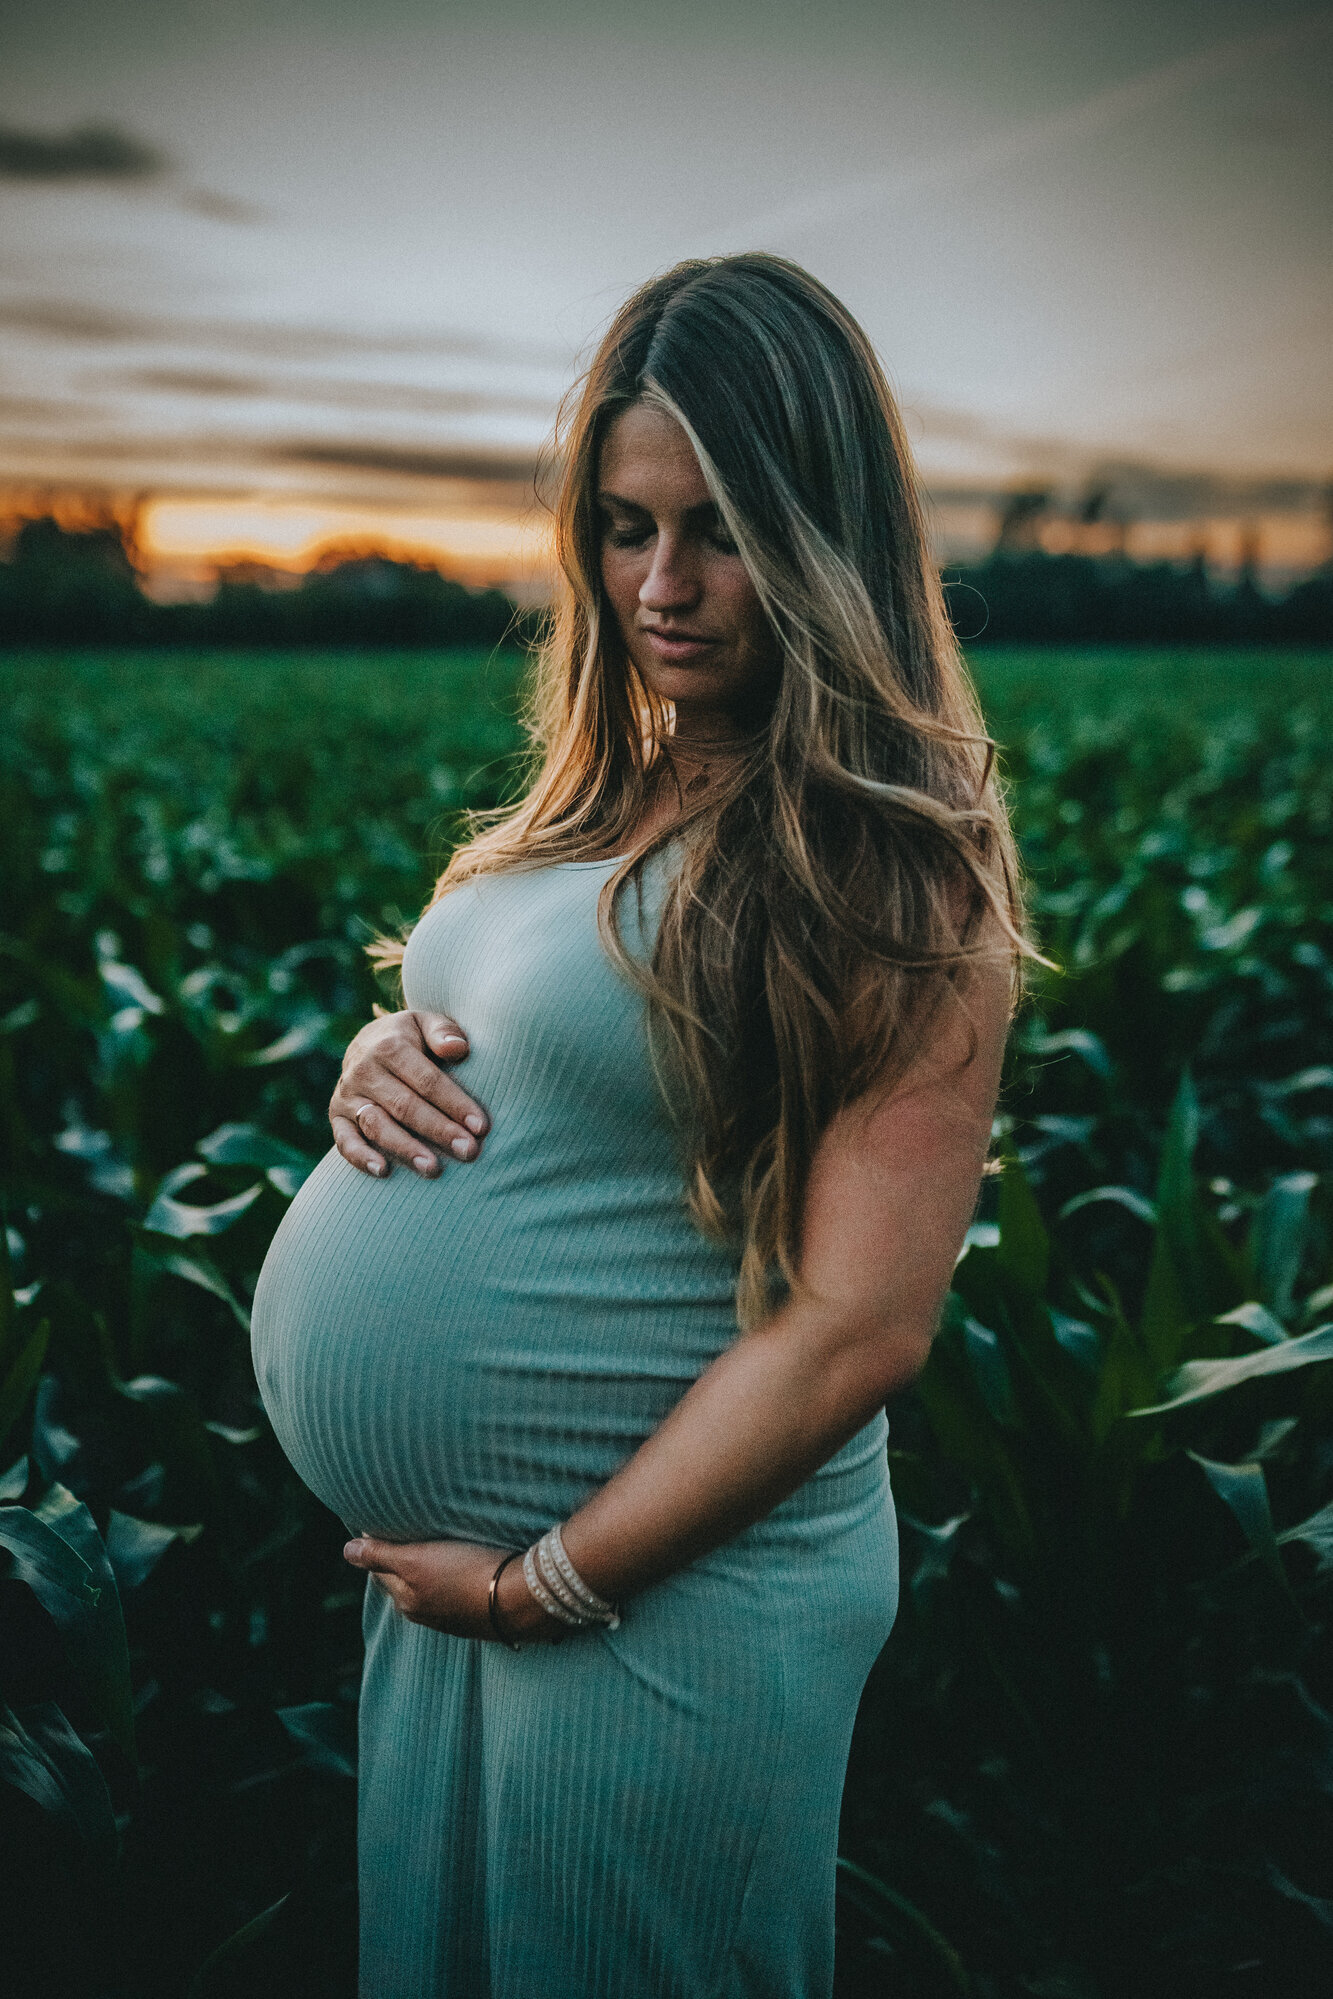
892	1189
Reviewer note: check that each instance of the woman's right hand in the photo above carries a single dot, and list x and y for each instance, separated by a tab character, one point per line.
393	1065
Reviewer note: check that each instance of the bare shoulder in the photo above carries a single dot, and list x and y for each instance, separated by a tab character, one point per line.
957	1054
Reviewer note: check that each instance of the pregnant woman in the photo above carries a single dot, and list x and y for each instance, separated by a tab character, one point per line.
595	1374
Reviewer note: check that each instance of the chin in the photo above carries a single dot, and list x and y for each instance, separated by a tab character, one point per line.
687	683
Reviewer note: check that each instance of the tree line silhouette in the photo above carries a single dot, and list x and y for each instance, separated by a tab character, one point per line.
81	585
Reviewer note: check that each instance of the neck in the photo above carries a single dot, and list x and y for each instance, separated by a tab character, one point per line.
706	735
706	722
702	746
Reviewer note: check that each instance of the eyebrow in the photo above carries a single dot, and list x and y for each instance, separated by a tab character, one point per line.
707	509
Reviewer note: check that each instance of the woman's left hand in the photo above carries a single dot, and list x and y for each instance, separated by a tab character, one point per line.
446	1584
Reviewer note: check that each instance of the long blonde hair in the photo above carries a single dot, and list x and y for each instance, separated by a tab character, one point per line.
830	896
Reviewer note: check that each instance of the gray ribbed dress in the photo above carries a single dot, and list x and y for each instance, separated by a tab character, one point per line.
647	1813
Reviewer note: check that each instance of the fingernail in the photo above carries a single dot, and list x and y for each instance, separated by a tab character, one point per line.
354	1551
452	1041
424	1163
463	1148
378	1168
475	1123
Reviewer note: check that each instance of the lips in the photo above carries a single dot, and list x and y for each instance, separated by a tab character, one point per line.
675	646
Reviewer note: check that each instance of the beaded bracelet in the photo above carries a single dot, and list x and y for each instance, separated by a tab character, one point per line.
537	1588
596	1607
561	1591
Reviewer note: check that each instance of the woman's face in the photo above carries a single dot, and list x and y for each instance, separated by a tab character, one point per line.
687	610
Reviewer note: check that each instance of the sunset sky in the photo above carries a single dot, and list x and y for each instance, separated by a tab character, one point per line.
336	263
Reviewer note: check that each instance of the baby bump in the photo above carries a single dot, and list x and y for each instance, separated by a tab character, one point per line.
470	1357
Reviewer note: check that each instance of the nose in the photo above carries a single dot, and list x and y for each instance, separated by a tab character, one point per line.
673	582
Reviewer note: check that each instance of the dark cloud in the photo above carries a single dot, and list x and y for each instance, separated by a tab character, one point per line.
216	384
188	382
89	152
104	152
222	207
374	474
480	467
1129	490
62	319
91	457
42	409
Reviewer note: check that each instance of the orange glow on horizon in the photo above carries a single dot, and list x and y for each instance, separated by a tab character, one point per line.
192	537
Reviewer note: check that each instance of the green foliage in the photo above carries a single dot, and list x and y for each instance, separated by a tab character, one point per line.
1112	1708
191	867
1094	1758
1096	1752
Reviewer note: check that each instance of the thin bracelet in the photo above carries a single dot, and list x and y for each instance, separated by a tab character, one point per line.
493	1607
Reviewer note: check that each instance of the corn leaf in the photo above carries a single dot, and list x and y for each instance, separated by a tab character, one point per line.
231	1946
326	1734
108	1666
1024	1246
1197	1380
901	1920
1277	1240
170	1217
41	1756
135	1547
1316	1532
1255	1319
21	1378
1244	1488
56	1551
1194	1273
197	1267
283	1165
298	1040
1122	1197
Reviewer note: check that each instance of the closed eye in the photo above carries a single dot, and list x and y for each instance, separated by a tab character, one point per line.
633	533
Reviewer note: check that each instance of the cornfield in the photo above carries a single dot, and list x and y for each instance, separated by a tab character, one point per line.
1095	1758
